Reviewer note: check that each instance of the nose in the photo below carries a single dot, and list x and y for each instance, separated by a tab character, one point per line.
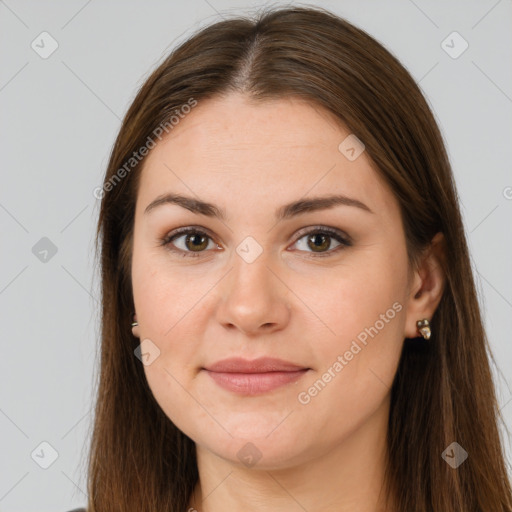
254	298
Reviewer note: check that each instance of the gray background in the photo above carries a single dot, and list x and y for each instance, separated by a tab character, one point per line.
59	118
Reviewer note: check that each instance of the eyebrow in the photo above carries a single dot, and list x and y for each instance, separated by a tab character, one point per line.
287	211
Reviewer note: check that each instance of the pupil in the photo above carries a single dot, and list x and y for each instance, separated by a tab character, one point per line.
321	243
197	240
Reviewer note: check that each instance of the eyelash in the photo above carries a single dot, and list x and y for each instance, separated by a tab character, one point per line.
332	233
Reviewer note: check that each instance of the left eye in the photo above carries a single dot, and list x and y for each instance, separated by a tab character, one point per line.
320	241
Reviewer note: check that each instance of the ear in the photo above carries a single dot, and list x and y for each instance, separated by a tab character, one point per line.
427	286
136	328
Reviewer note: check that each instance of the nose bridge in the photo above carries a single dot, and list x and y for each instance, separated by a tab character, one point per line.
253	296
251	280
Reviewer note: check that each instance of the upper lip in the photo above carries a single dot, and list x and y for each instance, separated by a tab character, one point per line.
260	365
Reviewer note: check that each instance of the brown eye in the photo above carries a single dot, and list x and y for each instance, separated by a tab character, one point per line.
196	242
319	241
188	242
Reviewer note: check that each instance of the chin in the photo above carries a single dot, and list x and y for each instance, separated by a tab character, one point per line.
258	444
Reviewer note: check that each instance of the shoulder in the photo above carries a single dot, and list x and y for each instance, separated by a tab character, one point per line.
78	510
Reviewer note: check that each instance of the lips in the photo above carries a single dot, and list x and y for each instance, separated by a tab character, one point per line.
251	377
261	365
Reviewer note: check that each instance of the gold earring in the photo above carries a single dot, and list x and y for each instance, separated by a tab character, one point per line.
134	324
424	328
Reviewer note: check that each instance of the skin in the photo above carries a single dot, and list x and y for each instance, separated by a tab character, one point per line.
249	159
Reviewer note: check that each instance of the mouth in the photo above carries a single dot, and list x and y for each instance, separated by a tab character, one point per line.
253	377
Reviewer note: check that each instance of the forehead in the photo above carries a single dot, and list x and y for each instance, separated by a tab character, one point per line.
268	152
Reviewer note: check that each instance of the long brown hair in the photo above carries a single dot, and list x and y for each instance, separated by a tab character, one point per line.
139	461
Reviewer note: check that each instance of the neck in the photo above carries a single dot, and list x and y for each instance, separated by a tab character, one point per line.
349	477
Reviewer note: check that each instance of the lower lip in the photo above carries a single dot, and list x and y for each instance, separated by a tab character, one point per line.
254	383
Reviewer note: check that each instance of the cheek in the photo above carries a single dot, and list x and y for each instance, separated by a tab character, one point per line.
168	312
362	299
162	292
169	388
167	308
359	353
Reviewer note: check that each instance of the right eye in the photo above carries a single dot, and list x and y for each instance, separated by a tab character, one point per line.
192	241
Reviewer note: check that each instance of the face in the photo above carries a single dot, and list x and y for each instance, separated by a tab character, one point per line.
322	289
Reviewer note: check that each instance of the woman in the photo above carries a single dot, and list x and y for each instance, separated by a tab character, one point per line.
280	216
